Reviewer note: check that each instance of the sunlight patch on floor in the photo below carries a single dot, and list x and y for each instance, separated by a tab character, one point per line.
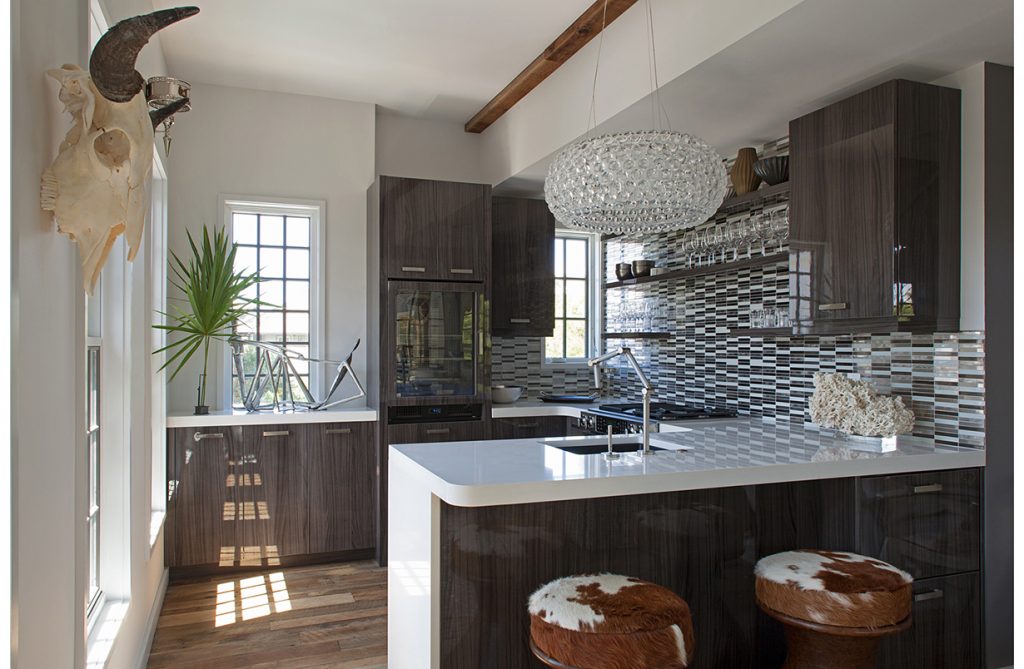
249	598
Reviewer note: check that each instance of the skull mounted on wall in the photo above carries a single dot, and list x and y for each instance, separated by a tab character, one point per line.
98	186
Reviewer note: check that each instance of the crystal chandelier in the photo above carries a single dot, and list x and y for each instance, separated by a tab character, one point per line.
636	182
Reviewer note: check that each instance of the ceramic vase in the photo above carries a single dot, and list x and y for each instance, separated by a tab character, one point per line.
744	179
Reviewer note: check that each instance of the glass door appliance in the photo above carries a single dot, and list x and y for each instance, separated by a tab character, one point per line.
435	338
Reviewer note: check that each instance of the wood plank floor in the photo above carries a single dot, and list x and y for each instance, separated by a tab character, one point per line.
322	616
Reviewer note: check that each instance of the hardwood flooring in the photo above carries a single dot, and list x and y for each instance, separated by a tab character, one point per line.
314	617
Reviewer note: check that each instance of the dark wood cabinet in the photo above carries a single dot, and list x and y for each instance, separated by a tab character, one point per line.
201	501
875	212
415	433
928	524
523	262
434	230
946	628
525	428
263	495
341	479
270	492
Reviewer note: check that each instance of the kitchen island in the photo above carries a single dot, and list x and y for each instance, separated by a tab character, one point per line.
474	527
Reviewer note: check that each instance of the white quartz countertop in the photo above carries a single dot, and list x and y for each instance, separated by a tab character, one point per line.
344	413
713	454
528	408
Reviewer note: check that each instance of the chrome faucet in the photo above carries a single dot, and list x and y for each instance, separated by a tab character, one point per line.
647	391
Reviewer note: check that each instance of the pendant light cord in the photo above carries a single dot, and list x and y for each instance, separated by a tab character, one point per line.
657	107
592	115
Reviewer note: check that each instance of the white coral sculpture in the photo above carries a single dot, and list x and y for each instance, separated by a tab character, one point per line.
854	407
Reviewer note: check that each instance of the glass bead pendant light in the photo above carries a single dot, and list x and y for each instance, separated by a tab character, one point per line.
636	182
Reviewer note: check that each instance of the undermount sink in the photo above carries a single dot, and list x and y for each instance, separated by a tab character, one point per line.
595	445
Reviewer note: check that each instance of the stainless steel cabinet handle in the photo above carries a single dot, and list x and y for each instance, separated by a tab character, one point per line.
834	306
455	270
439	430
338	430
931	487
199	436
528	425
522	321
925	596
276	433
414	269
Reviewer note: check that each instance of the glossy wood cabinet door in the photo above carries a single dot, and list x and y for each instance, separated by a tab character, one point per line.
434	230
523	263
200	527
946	628
928	524
271	492
340	477
875	212
417	433
524	428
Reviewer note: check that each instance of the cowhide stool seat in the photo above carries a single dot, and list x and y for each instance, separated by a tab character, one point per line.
834	605
604	621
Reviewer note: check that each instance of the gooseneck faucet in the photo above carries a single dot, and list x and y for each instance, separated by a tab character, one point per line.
647	391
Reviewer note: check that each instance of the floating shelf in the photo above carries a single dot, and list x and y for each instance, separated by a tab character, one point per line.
636	335
738	202
748	200
759	261
761	332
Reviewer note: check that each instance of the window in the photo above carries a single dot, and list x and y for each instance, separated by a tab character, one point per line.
92	468
573	340
279	242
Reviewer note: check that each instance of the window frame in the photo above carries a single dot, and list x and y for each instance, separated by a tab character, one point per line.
595	289
315	210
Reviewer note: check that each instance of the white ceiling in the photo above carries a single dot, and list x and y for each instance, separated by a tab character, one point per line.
440	59
818	52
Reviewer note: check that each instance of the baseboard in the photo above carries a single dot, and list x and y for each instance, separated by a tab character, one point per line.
151	620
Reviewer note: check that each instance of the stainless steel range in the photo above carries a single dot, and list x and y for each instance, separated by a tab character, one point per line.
627	418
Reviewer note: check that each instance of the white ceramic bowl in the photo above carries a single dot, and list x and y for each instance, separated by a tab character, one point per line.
505	394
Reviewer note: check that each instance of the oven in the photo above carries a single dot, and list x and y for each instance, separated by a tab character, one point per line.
628	418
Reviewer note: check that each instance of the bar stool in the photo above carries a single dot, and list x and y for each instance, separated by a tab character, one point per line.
606	621
834	606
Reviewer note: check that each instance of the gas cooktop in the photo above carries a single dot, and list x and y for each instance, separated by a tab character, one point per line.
666	411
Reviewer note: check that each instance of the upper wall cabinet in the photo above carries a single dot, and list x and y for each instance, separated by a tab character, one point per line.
875	212
523	260
437	230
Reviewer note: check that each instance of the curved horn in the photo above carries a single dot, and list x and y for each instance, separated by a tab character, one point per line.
158	116
112	64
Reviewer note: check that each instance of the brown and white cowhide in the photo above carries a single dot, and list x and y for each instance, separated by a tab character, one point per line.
606	621
834	588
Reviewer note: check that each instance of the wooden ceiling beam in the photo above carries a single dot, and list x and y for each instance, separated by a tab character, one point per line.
574	38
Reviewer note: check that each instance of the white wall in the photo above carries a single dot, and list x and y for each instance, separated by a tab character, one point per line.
47	318
46	296
423	149
247	142
971	82
555	113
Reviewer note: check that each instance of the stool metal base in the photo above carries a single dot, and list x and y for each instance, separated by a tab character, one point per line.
550	661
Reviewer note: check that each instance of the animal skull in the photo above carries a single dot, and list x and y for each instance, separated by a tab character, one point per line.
98	186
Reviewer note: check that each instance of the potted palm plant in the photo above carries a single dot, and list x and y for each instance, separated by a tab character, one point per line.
217	300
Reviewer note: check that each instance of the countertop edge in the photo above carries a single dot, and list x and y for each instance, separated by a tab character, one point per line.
352	415
497	494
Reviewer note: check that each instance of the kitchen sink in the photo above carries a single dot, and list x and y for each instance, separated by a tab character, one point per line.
595	445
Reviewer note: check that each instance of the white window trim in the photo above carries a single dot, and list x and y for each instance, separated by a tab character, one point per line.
155	306
316	210
595	302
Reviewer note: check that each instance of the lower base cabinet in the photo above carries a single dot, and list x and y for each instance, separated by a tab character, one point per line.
530	427
262	495
946	628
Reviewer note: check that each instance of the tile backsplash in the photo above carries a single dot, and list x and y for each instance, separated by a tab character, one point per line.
940	376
